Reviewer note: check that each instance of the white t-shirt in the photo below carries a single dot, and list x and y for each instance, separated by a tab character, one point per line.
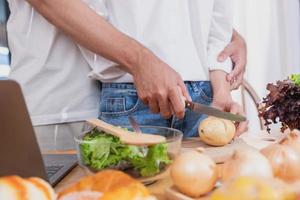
58	76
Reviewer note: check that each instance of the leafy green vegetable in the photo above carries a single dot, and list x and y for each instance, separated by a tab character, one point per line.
100	150
156	157
296	79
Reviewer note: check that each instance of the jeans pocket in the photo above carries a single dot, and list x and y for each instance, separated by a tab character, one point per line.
118	102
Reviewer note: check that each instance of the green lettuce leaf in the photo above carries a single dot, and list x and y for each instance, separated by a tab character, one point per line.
156	157
100	150
296	79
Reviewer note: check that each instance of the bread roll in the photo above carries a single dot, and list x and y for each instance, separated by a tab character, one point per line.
216	132
114	185
84	195
17	188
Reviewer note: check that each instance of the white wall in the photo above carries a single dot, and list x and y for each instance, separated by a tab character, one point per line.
272	31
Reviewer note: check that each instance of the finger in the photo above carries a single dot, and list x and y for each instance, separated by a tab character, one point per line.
145	102
183	98
171	108
153	105
143	97
226	53
176	101
215	104
184	91
234	108
242	127
238	69
223	104
237	83
164	107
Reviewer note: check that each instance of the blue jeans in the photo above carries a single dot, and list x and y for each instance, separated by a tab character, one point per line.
120	100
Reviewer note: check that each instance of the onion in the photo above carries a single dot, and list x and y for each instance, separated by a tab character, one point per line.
216	132
293	140
254	188
246	162
194	173
284	160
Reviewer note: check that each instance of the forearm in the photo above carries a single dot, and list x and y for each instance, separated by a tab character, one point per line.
221	87
90	30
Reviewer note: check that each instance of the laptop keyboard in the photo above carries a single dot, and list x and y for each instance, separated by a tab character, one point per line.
53	169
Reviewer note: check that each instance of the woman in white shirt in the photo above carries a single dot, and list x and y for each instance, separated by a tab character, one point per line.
157	45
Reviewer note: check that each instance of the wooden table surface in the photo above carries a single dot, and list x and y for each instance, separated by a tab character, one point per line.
258	141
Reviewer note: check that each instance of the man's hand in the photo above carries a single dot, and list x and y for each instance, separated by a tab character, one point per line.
237	51
223	100
157	85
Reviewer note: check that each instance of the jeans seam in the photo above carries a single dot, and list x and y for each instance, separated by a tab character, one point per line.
134	108
204	96
117	98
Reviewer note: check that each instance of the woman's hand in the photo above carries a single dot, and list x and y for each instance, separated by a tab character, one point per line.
237	51
235	108
223	101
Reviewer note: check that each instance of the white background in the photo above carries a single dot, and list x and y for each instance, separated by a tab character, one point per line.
272	31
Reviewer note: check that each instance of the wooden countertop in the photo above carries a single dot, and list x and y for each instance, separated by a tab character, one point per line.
258	141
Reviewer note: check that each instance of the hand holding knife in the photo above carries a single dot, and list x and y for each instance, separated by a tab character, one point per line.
211	111
208	110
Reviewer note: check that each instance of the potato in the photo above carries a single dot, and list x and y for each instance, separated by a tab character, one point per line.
216	132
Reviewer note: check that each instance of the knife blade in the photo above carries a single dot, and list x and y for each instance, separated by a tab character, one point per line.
208	110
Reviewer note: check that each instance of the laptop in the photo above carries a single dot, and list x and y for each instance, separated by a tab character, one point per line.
19	150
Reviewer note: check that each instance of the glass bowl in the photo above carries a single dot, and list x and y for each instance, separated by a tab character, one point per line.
173	146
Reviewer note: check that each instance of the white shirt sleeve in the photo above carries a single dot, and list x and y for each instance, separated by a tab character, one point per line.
101	68
220	35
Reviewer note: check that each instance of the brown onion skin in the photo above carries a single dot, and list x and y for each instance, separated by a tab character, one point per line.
194	173
293	140
246	162
285	161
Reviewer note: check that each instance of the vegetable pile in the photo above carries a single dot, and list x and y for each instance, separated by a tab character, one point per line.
282	104
100	150
246	162
285	161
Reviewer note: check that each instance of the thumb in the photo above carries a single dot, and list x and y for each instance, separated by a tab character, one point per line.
226	53
237	70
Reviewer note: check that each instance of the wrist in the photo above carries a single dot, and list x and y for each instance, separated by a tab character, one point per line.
136	57
221	89
220	85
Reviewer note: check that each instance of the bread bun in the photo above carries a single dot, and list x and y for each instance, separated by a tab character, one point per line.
17	188
112	184
84	195
216	132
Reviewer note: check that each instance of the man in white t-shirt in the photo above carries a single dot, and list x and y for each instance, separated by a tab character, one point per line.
146	56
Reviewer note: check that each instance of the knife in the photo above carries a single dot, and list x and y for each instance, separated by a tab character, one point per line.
204	109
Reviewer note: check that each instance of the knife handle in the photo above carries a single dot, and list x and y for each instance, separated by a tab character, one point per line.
189	105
